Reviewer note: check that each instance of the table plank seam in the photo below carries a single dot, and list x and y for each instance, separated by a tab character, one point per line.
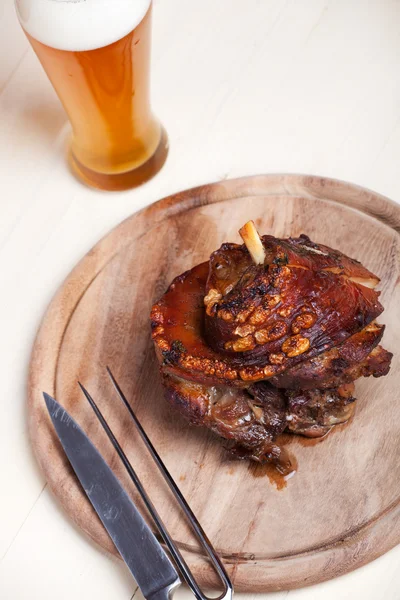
11	75
23	523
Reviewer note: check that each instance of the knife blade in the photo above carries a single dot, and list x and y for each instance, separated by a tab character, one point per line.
143	554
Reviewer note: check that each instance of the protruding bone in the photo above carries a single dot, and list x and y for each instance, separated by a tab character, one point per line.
249	235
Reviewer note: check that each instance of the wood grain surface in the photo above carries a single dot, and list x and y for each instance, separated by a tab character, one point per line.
342	508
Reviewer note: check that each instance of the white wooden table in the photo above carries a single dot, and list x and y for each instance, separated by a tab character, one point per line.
243	87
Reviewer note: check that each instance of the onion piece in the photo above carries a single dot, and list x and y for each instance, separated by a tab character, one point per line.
370	282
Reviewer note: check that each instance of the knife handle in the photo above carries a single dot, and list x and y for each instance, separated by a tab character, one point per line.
164	594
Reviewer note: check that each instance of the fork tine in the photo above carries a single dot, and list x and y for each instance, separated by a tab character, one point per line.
175	553
201	535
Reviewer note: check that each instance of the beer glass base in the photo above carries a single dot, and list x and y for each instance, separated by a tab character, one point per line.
122	181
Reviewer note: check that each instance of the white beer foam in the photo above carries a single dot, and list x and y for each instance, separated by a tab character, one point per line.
80	24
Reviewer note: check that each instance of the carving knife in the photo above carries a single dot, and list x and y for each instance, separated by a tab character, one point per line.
137	545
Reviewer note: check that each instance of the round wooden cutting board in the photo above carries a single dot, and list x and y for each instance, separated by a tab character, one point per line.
342	507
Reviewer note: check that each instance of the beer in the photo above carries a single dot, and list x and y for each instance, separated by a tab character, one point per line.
96	53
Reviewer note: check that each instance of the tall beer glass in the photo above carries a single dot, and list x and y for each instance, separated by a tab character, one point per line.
96	53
